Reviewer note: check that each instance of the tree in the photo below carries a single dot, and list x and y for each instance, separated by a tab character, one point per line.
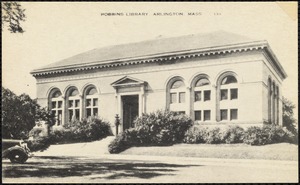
288	115
19	114
12	14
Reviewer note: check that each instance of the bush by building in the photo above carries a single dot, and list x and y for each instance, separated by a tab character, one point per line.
254	135
90	129
158	128
268	134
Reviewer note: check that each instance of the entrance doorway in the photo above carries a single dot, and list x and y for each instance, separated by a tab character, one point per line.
130	106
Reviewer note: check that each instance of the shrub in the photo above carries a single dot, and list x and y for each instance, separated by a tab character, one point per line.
162	127
123	141
255	136
195	135
213	136
38	144
232	134
37	132
90	129
76	131
268	134
157	129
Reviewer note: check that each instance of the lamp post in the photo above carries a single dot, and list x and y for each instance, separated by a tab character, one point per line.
117	123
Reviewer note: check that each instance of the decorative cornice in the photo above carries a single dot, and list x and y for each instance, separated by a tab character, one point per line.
161	58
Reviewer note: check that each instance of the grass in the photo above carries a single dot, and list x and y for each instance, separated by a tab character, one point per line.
281	151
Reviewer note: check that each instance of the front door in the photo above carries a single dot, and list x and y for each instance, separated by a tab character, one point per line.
130	110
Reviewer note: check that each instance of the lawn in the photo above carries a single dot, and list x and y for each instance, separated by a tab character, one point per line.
281	151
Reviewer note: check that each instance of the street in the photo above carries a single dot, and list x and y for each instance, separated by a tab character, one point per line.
146	169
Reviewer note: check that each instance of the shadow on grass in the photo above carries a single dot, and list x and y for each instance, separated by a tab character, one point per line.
98	168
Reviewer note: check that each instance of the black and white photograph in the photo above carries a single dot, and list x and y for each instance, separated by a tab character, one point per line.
149	92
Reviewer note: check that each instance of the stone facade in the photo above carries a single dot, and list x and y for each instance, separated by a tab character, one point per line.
236	84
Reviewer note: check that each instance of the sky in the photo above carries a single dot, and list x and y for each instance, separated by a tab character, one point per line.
58	30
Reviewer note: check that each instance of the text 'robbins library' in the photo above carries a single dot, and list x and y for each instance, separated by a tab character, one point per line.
218	78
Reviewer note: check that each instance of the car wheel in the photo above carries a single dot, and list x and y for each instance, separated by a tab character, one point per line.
18	157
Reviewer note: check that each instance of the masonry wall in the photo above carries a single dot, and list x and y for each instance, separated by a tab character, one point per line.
249	67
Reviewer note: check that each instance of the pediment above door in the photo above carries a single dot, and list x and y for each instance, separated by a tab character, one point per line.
128	81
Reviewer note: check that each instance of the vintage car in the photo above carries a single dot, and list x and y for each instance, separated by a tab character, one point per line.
15	150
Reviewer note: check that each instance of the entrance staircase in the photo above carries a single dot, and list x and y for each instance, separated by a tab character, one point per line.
94	148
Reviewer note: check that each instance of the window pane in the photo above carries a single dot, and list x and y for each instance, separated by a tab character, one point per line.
91	91
56	94
202	82
198	115
173	97
70	115
198	96
233	94
224	94
59	117
95	111
53	105
76	103
88	102
181	97
206	115
77	114
74	92
223	114
59	104
233	114
53	113
177	84
95	102
206	95
71	103
88	112
228	80
181	112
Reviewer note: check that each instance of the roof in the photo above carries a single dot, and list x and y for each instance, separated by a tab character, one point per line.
148	49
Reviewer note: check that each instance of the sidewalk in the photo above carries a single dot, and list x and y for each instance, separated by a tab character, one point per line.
94	148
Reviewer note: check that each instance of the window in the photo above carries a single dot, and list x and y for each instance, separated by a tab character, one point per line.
223	114
198	96
56	107
177	84
173	97
206	115
202	82
177	92
182	97
91	102
233	94
228	95
73	105
206	95
228	80
181	112
233	114
200	89
224	94
198	115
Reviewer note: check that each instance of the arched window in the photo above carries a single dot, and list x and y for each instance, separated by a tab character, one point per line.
56	106
177	92
202	96
228	94
176	95
91	102
73	104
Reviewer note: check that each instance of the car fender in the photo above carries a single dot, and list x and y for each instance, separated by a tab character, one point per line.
8	151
